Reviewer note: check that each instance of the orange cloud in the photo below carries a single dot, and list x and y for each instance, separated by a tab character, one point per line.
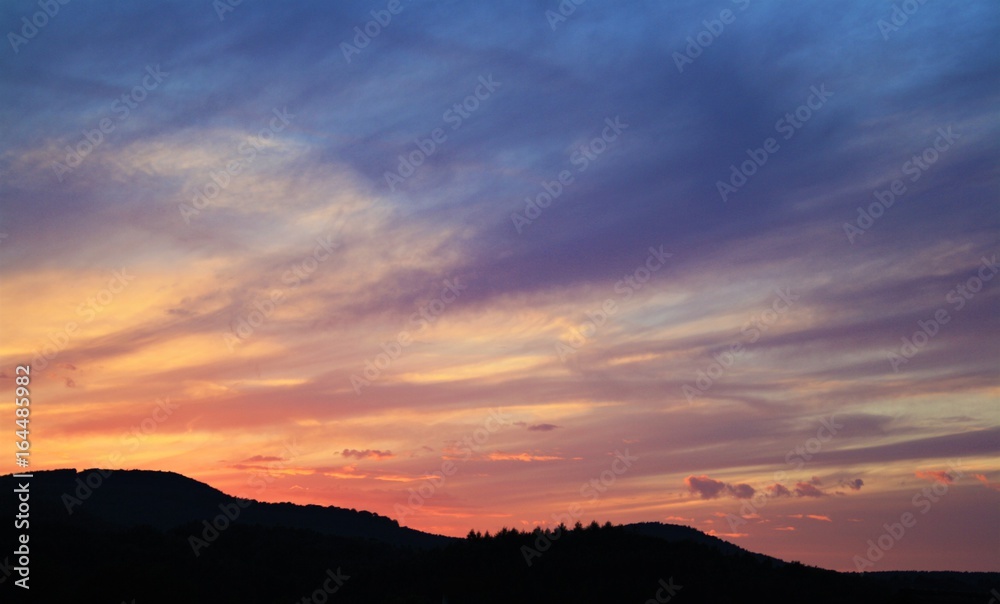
498	456
989	485
935	476
262	459
728	535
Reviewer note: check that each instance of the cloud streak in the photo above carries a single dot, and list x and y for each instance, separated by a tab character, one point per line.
103	358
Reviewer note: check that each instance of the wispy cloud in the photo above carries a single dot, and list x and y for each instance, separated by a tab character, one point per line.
371	301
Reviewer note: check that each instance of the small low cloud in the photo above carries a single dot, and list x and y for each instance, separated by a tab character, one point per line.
262	459
819	517
705	487
854	485
542	427
779	490
367	453
526	456
714	533
709	488
989	485
808	489
536	427
740	491
941	476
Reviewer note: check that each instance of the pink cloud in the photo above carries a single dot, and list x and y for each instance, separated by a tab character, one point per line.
499	456
811	517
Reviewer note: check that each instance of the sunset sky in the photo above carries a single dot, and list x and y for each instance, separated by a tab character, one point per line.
729	264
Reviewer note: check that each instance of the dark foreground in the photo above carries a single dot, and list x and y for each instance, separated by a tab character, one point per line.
149	537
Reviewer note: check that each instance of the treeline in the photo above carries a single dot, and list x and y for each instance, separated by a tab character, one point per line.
250	563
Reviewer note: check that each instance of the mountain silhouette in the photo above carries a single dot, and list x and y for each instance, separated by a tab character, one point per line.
166	500
145	537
